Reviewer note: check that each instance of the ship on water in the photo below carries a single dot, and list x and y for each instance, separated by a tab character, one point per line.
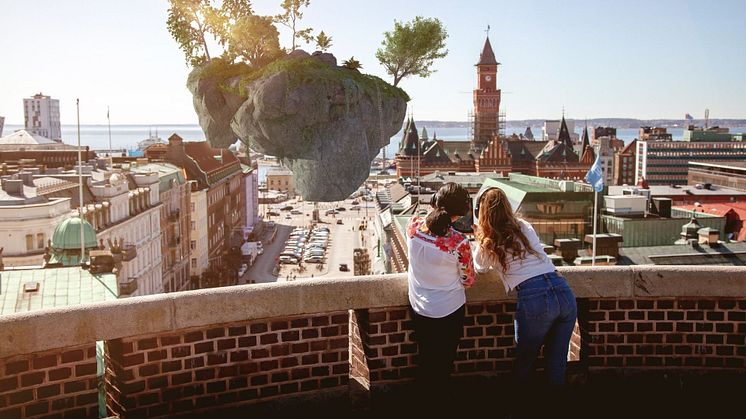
151	140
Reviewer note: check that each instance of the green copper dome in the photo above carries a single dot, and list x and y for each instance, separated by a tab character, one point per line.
67	235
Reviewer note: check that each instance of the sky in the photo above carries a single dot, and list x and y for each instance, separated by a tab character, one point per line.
595	58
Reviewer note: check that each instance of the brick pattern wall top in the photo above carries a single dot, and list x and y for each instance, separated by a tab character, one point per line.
50	384
224	365
670	333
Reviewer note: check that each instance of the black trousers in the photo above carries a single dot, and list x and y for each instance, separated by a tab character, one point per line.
438	341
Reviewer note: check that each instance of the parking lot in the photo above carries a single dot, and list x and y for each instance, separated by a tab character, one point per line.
296	258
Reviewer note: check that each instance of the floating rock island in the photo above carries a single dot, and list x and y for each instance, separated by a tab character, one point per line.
324	122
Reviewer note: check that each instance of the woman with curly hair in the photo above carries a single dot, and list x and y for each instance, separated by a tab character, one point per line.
440	267
546	310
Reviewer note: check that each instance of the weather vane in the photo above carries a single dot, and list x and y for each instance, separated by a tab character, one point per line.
487	31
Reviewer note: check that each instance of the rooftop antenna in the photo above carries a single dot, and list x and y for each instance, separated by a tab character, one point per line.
487	31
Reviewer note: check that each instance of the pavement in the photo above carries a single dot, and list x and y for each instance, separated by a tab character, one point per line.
343	239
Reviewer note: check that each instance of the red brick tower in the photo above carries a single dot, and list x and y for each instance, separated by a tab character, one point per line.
486	99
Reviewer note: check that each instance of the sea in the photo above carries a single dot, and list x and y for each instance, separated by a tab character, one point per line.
127	136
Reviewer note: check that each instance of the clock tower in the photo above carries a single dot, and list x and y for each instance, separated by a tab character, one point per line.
486	99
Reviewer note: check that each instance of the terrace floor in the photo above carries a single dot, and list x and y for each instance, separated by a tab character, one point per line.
602	395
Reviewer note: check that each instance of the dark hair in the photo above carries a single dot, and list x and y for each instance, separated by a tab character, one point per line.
451	199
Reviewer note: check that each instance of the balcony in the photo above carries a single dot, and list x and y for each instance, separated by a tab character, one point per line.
129	252
127	286
345	348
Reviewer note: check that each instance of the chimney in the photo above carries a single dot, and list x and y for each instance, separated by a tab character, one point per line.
27	178
13	186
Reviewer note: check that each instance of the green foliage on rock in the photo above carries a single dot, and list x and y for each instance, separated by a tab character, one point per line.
323	42
352	64
412	47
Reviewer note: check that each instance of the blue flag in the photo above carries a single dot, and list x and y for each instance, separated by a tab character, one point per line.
595	175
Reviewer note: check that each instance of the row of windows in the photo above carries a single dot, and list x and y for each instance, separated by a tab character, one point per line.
30	242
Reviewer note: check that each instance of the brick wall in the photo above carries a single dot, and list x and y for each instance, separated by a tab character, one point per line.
224	365
672	333
50	384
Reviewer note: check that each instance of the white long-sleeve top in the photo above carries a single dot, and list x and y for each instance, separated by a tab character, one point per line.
518	270
439	269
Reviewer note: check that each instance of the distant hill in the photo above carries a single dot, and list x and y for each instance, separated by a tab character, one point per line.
606	122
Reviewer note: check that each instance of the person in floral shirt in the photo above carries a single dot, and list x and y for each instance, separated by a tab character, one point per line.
440	268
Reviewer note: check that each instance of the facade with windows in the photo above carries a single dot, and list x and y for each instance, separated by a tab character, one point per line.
27	221
42	116
281	179
667	162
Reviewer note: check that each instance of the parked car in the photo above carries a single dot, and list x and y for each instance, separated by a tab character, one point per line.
259	248
296	212
331	211
321	228
273	214
314	259
355	208
287	217
288	259
340	221
286	208
343	267
340	209
355	202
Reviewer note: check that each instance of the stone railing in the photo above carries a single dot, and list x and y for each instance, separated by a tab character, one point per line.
236	346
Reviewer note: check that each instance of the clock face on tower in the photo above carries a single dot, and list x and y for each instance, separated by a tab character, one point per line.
488	78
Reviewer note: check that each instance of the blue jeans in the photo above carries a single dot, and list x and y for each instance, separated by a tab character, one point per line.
545	315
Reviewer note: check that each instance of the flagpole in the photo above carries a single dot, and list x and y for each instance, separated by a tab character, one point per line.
595	211
109	120
80	187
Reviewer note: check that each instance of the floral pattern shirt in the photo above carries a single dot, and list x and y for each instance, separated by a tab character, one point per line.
454	242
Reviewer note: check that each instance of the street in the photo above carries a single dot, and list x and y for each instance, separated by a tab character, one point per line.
343	239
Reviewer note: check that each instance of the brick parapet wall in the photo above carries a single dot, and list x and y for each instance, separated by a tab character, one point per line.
193	350
50	384
226	365
688	333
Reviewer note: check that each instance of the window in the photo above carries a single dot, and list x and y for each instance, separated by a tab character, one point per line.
194	263
29	242
194	226
40	241
193	244
192	206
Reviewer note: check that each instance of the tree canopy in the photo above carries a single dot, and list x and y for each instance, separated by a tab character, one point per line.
411	48
255	39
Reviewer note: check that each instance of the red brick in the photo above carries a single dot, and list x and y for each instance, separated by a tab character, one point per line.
217	332
204	347
259	353
158	382
170	340
47	391
85	369
310	359
290	336
319	345
320	321
7	384
268	338
268	365
74	386
178	352
726	304
37	409
16	366
377	316
298	323
224	344
192	363
279	325
247	341
181	378
238	382
258	328
46	361
32	379
310	333
340	319
72	356
645	304
338	343
148	370
280	377
737	316
664	304
157	355
204	374
280	350
236	330
259	380
134	359
309	385
193	337
59	374
145	344
239	356
217	359
299	348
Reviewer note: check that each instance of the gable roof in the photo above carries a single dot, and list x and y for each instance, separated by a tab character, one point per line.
24	137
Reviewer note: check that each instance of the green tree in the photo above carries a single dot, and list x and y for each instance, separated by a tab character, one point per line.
412	47
352	64
255	39
291	18
323	42
192	23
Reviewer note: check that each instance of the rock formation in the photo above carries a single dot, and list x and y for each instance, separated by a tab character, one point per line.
326	123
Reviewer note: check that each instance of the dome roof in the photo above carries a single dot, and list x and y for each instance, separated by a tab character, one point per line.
67	235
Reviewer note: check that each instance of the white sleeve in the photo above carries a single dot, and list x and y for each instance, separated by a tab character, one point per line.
481	263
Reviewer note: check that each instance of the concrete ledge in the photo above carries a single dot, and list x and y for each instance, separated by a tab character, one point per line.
36	331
